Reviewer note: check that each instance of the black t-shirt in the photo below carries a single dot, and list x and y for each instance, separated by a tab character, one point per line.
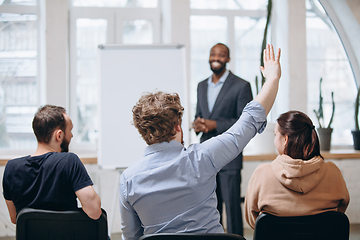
46	182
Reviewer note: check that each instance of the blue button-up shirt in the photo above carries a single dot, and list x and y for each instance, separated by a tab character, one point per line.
214	89
172	189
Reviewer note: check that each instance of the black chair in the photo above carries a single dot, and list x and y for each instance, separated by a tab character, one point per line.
328	225
59	225
191	236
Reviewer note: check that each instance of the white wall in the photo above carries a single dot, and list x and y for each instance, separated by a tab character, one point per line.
290	35
57	52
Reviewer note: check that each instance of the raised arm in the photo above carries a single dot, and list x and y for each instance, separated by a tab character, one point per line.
272	72
225	147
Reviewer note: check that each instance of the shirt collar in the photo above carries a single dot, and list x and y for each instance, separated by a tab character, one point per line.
158	147
222	78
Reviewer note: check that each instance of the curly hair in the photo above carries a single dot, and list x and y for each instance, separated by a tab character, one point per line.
46	120
155	116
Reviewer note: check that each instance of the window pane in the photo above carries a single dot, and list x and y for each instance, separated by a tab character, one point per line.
228	4
248	40
205	31
89	34
18	80
137	32
116	3
327	59
18	2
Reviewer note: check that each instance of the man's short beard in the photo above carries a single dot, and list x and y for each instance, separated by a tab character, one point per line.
218	71
64	146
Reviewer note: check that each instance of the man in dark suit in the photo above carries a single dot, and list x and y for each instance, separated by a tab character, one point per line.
220	101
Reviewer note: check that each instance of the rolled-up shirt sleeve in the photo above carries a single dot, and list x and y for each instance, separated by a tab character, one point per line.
225	147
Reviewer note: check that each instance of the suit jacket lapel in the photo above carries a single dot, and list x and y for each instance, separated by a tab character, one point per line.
225	88
204	100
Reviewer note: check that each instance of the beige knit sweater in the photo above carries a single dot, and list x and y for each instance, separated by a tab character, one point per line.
293	187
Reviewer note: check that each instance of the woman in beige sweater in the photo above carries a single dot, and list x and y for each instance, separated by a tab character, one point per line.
298	182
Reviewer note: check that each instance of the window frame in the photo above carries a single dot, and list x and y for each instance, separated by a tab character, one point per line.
31	10
115	16
230	15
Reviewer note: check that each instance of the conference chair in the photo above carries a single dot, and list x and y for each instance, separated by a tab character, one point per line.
59	225
191	236
328	225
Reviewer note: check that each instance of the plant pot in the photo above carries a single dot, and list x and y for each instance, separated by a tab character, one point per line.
356	138
325	138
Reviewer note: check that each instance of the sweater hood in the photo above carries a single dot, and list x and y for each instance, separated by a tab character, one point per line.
298	175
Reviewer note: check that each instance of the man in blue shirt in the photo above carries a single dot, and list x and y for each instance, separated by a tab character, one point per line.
171	188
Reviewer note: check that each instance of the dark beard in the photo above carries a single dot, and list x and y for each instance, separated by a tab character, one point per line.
64	146
219	70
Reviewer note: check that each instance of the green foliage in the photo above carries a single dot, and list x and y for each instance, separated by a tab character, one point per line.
263	45
320	113
357	110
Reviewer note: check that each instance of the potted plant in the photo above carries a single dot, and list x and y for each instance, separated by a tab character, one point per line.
324	132
356	132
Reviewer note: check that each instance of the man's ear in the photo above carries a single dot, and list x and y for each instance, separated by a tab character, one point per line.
178	128
59	134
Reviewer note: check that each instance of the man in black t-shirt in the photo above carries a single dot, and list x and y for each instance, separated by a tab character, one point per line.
51	178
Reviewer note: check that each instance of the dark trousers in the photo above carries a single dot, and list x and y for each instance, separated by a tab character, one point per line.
228	192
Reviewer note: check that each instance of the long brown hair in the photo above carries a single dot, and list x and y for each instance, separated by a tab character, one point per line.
303	142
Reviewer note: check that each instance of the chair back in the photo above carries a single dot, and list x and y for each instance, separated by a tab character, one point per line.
328	225
59	225
191	236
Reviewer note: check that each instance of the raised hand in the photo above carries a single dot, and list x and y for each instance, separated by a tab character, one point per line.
272	72
271	69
